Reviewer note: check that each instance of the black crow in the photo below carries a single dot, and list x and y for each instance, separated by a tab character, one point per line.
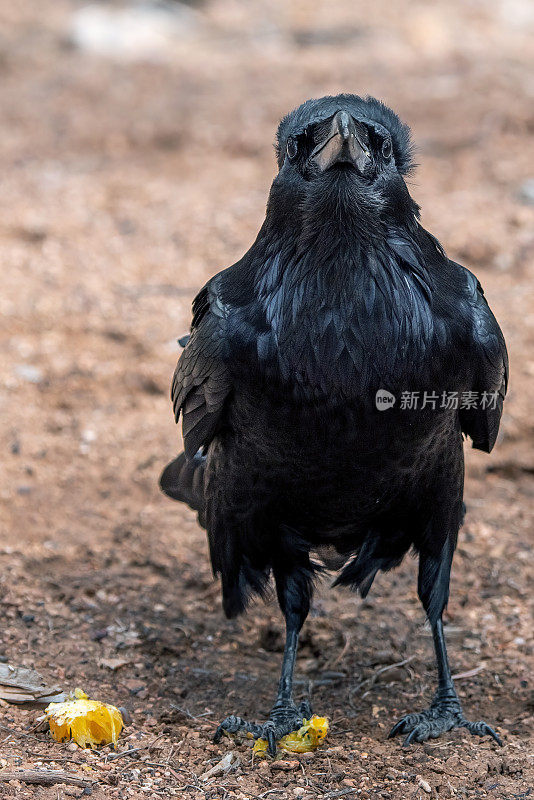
325	387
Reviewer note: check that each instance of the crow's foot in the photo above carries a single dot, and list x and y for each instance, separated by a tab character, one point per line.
283	719
444	714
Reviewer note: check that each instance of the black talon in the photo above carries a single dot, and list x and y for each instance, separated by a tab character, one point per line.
305	709
409	739
397	728
494	735
271	742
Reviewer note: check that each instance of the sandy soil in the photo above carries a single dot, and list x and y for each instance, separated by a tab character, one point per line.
124	184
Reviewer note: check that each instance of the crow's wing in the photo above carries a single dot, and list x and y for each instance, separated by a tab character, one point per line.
201	381
489	369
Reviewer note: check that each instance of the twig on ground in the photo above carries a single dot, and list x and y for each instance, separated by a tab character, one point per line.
304	773
374	677
201	718
45	778
174	747
346	645
45	757
149	746
18	734
470	673
167	766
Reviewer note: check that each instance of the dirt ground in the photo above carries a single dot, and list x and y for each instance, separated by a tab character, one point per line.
125	182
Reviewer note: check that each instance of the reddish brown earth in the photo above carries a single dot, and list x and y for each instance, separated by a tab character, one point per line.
123	186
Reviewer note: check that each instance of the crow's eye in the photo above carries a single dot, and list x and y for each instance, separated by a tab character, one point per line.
292	148
386	148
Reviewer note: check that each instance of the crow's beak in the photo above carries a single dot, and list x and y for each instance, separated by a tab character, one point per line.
346	142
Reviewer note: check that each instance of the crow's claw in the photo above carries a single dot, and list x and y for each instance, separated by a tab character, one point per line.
305	709
235	724
283	719
481	729
268	733
443	715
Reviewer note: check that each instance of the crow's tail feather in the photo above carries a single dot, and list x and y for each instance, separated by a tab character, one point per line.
183	480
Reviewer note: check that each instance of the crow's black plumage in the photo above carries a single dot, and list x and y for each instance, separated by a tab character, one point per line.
287	457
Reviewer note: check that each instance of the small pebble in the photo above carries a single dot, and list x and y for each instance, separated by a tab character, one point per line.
29	373
126	716
425	786
525	193
287	766
391	675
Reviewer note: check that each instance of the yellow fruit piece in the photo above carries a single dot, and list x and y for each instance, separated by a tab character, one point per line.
307	738
88	722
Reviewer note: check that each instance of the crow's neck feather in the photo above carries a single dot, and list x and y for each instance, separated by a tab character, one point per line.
336	236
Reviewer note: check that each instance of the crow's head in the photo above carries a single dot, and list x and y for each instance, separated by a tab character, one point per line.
355	147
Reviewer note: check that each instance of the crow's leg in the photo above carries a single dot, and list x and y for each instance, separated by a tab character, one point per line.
445	711
294	591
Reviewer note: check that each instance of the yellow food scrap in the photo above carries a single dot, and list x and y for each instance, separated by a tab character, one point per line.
88	722
307	738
